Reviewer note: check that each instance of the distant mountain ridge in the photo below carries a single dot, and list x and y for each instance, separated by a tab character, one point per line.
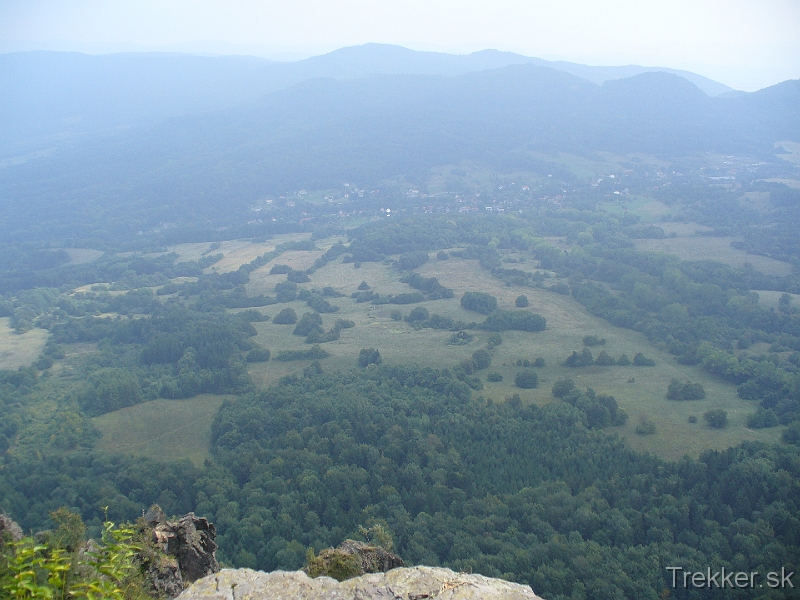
322	132
49	97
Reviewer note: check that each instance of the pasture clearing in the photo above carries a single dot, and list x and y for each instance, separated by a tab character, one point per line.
81	256
161	429
717	249
19	350
567	323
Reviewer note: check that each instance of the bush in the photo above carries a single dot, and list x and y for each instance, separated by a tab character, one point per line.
461	338
442	255
562	387
494	340
685	391
692	419
481	359
369	356
280	270
314	353
716	418
494	377
623	361
297	277
792	434
605	359
526	380
584	359
420	313
640	360
762	418
539	362
258	355
646	427
286	317
363	286
396	315
521	302
412	260
310	322
480	302
593	340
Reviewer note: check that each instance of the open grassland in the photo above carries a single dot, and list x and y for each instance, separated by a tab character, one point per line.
150	429
19	350
80	256
769	298
715	248
161	429
567	324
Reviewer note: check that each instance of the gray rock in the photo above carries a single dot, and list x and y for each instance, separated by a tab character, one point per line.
181	552
414	583
9	528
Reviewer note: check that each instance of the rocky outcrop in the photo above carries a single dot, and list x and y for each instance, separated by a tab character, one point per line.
9	529
415	583
176	552
351	559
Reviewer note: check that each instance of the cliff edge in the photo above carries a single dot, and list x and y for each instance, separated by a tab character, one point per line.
413	583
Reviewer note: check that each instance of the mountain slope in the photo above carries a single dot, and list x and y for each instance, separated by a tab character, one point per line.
48	97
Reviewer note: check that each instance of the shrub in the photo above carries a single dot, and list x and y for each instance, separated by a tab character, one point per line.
640	360
521	302
420	313
480	302
792	434
258	355
369	356
494	340
562	387
539	362
314	353
716	418
645	427
623	361
442	255
685	391
363	285
526	380
692	419
605	359
412	260
310	322
280	270
494	377
593	340
584	359
297	277
286	317
482	359
396	315
762	418
461	338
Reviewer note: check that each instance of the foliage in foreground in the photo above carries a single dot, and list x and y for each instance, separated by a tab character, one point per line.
53	570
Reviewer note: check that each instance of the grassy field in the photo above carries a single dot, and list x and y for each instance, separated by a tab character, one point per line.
715	248
19	350
161	429
568	322
769	298
149	429
79	256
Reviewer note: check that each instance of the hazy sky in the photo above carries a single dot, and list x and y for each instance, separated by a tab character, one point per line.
747	44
